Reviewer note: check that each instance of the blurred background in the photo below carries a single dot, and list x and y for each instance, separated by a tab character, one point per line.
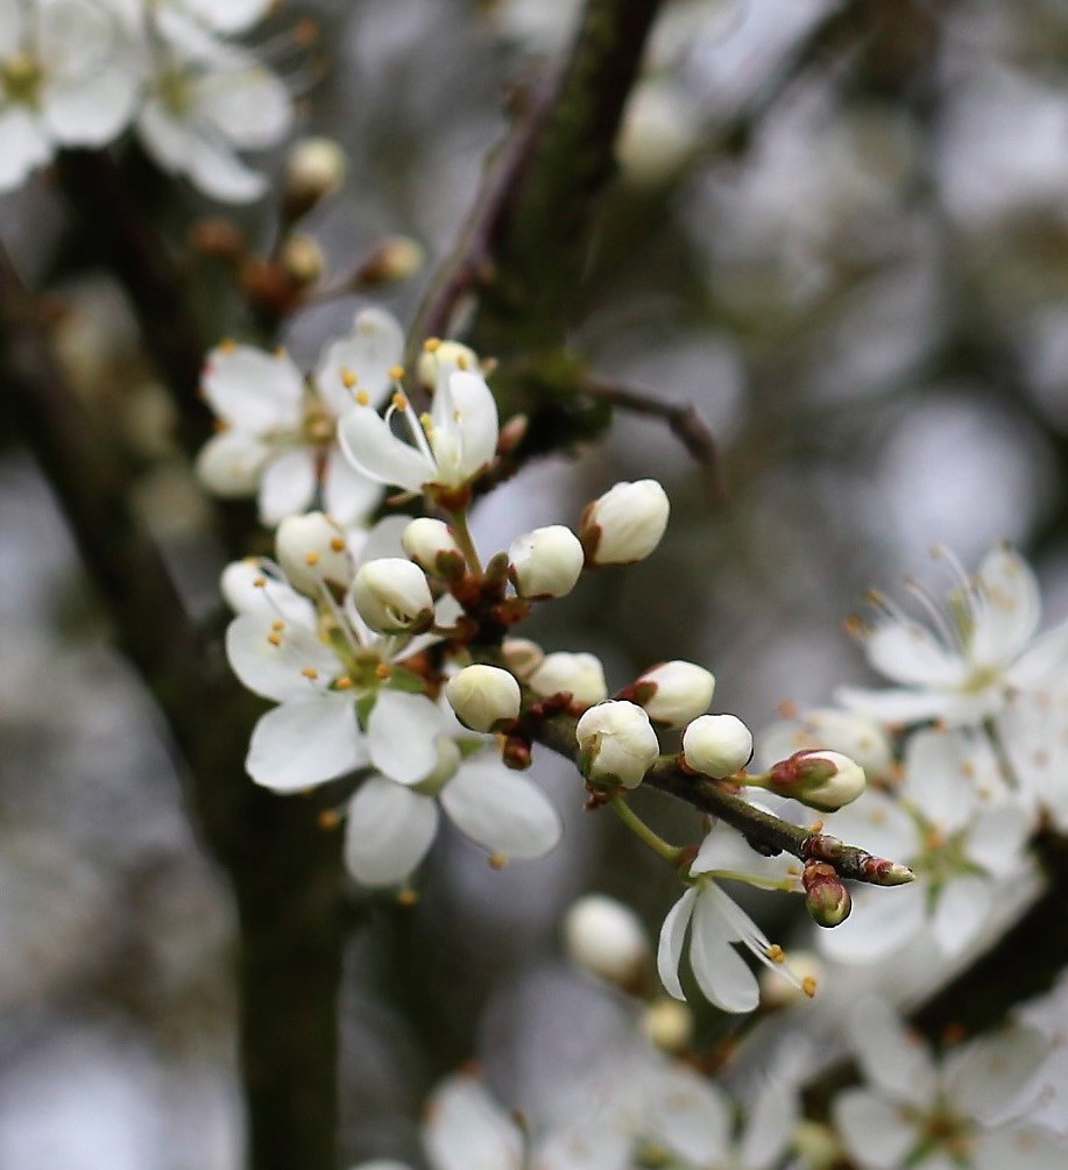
840	230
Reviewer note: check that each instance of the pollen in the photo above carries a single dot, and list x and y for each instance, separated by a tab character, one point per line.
344	683
274	639
382	671
278	626
310	672
363	398
497	860
776	954
396	373
337	544
311	559
400	401
809	985
348	378
432	344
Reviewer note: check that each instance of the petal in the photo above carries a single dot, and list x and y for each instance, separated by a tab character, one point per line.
961	911
166	139
384	540
10	27
372	349
288	485
1010	609
229	16
770	1126
388	831
402	734
997	839
94	111
245	103
672	938
375	451
875	1132
218	172
476	420
249	587
725	849
253	390
504	812
23	146
721	972
1037	665
348	496
983	1076
895	706
882	922
230	464
1024	1148
938	771
305	742
690	1116
877	823
893	1059
907	652
272	662
467	1130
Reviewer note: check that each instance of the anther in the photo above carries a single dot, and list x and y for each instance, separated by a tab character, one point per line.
396	373
432	344
776	954
310	672
337	544
260	583
497	861
227	345
809	985
344	683
363	398
274	639
280	352
382	671
278	625
312	559
348	378
400	401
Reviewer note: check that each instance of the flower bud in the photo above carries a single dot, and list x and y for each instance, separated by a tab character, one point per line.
822	780
483	697
315	169
522	656
717	745
826	898
777	991
303	259
395	259
617	742
442	359
625	524
392	595
677	692
579	675
848	732
606	938
431	544
546	562
668	1024
312	549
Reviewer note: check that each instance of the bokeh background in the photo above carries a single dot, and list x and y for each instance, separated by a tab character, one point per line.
841	230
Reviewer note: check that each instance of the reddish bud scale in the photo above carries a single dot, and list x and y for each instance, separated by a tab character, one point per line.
801	769
517	751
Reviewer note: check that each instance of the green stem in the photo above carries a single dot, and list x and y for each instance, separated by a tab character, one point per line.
462	531
670	853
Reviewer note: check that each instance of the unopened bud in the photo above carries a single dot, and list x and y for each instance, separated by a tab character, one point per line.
579	675
303	259
823	780
311	549
606	938
826	898
442	360
848	732
717	745
395	259
668	1024
677	692
315	169
778	991
483	697
617	742
546	562
522	656
625	524
431	544
392	595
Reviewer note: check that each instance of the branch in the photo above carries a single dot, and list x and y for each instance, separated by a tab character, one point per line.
285	871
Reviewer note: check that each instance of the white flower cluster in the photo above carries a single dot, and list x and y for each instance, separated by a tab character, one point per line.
80	72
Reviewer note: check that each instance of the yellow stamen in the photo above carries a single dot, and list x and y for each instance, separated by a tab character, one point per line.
260	583
431	344
497	861
312	558
809	985
278	625
407	896
310	672
396	373
382	671
329	818
274	639
400	401
348	378
344	683
462	362
776	954
337	544
363	398
227	345
280	352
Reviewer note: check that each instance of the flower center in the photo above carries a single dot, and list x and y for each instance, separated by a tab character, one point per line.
21	76
319	425
175	92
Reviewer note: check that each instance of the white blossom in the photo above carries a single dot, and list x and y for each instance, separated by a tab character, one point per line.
626	523
279	433
579	675
70	71
681	692
617	742
716	923
546	562
963	664
483	697
467	1130
606	938
717	745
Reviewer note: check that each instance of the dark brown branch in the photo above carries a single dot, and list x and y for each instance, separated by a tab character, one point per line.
285	871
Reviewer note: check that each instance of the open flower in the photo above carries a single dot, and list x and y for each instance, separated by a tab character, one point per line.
69	76
448	448
337	684
963	665
208	100
280	434
923	1115
954	827
716	923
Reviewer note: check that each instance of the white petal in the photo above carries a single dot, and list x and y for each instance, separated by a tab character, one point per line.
769	1126
305	742
721	972
501	810
272	662
388	830
467	1130
229	16
892	1058
938	771
895	706
672	938
997	838
907	652
253	390
882	921
218	172
374	347
167	140
23	146
874	1131
961	911
476	408
10	27
402	735
725	849
249	106
690	1116
984	1075
373	449
1046	656
877	823
230	464
288	485
249	588
1010	609
384	540
1019	1149
348	496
